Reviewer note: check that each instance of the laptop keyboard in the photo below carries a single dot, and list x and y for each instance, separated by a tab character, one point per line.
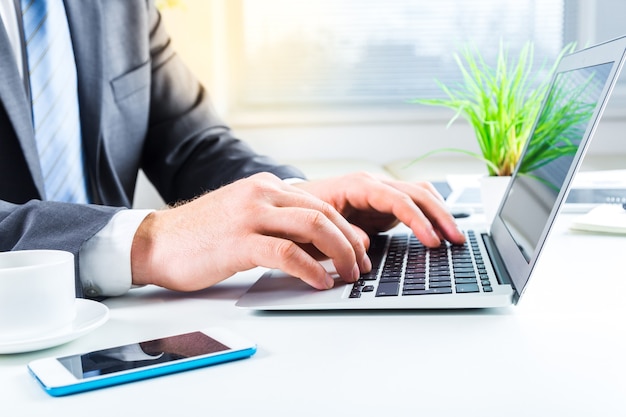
403	266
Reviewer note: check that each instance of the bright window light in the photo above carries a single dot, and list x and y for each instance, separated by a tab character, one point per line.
370	52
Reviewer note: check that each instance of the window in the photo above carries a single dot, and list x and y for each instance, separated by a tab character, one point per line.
370	52
343	57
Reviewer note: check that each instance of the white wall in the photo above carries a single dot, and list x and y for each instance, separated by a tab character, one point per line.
384	143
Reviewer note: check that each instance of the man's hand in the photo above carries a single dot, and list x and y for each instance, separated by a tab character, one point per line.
258	221
376	204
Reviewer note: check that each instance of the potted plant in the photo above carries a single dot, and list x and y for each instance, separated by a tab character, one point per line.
500	102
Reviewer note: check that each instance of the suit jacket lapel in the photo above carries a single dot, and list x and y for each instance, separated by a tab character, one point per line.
16	104
85	22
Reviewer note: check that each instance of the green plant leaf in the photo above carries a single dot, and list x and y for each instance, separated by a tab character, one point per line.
501	103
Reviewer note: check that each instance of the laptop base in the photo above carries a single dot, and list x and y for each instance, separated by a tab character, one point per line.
276	290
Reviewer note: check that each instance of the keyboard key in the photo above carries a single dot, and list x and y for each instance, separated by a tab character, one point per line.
355	293
414	287
386	289
440	284
395	278
416	269
465	288
368	288
465	280
370	276
415	275
463	271
465	275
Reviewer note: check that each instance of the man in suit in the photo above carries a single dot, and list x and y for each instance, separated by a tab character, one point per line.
140	107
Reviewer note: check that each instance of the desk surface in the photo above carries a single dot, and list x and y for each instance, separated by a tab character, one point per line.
560	351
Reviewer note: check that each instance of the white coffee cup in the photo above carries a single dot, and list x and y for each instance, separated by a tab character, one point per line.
37	293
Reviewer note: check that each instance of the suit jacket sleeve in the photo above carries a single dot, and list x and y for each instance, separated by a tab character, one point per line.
51	225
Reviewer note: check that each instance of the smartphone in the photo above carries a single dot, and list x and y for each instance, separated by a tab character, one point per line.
121	364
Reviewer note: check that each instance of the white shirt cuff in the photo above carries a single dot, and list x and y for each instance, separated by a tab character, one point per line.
104	260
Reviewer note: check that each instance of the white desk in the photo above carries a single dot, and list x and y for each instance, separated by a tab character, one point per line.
560	352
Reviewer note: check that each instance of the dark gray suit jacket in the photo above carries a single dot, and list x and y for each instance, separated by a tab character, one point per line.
140	108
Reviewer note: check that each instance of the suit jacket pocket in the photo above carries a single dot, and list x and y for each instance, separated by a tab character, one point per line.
127	84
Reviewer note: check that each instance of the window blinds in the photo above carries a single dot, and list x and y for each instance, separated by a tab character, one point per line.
372	52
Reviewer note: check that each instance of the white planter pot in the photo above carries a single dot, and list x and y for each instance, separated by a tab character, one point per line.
491	193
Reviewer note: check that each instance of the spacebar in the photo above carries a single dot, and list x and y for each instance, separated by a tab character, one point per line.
386	289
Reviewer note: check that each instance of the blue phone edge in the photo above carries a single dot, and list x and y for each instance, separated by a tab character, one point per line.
171	368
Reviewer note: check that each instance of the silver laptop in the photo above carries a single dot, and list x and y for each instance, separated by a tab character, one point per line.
493	267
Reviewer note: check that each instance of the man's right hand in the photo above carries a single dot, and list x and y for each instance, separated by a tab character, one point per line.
258	221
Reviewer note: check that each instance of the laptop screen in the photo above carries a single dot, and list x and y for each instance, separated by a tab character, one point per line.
549	155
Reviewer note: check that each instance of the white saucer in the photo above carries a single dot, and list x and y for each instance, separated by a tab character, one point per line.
89	316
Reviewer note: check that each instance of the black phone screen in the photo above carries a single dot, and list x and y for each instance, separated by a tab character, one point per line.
139	355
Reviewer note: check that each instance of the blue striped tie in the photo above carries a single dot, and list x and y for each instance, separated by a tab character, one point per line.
54	95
